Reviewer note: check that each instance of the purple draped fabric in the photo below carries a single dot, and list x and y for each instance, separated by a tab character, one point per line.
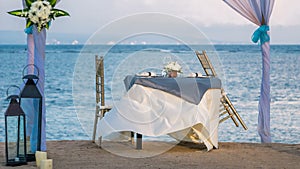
259	12
39	44
36	43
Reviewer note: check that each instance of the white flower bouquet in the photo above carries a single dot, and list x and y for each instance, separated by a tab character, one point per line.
39	12
173	66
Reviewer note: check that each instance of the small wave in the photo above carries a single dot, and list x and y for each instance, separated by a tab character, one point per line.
158	50
166	50
62	51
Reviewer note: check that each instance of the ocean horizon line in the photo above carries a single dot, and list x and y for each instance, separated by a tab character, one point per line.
149	44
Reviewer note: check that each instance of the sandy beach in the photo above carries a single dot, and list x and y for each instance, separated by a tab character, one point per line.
87	155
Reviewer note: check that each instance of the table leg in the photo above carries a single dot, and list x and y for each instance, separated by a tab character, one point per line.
132	137
139	141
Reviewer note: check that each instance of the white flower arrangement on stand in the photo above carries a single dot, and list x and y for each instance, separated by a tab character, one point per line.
39	13
172	68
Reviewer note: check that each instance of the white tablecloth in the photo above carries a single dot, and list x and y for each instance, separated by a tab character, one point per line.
153	112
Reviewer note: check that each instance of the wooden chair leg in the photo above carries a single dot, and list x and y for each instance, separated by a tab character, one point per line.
235	112
95	123
132	137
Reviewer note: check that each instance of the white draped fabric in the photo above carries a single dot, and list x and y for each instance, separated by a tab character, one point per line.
153	112
259	12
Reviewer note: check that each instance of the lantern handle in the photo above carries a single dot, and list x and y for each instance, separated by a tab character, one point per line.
38	71
12	96
32	76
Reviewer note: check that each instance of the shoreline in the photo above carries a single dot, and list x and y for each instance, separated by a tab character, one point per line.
85	154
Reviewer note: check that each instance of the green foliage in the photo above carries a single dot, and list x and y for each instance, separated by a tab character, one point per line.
59	13
52	2
28	3
19	13
28	23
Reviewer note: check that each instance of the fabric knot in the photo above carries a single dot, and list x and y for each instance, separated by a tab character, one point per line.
28	30
261	34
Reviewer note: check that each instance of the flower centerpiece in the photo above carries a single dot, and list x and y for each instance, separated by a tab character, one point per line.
39	13
172	68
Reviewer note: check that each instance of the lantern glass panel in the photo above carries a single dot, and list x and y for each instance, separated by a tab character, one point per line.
32	108
15	139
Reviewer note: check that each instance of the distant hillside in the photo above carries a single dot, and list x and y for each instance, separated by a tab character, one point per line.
19	37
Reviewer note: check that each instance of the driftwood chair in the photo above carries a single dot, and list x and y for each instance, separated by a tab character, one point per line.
226	107
101	108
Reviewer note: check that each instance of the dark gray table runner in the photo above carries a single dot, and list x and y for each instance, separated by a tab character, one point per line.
189	89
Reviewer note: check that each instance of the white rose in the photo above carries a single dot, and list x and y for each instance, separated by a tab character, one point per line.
35	19
39	14
35	5
46	3
47	12
44	15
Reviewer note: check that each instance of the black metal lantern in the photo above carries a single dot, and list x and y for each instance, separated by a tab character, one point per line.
15	132
31	101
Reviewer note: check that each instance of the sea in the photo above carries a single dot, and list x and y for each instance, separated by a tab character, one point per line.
70	84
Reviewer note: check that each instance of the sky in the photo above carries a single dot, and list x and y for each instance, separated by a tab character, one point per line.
213	17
